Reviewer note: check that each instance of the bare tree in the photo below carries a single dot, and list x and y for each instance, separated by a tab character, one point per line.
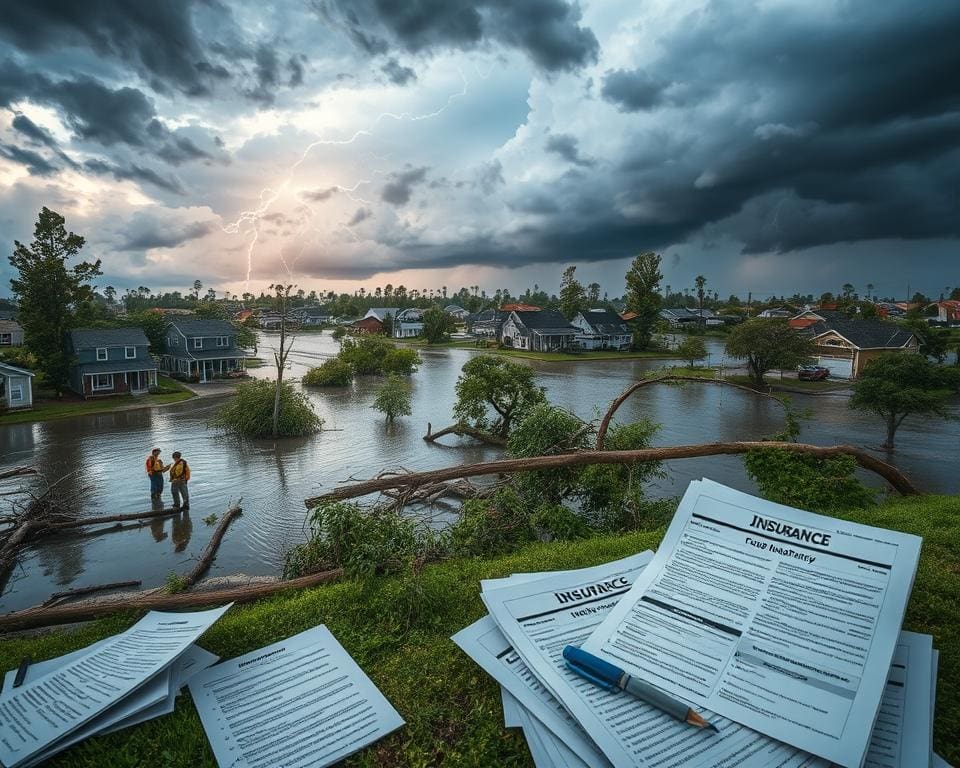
283	350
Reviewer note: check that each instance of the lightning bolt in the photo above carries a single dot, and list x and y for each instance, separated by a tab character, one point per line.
249	221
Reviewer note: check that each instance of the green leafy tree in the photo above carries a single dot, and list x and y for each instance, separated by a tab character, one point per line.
700	282
437	325
897	385
572	295
211	310
250	412
388	325
546	430
692	349
493	393
197	285
593	294
767	344
49	292
154	326
401	361
393	397
643	296
331	373
934	342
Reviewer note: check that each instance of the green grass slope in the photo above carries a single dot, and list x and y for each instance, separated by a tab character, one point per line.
398	630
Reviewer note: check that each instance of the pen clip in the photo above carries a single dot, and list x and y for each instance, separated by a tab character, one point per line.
607	686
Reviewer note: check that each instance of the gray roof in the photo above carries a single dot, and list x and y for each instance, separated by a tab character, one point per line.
546	321
192	327
382	312
116	366
865	334
8	314
19	371
210	354
605	322
90	338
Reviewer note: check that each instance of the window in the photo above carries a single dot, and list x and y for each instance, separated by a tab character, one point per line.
223	341
16	394
102	381
101	353
129	352
198	343
6	339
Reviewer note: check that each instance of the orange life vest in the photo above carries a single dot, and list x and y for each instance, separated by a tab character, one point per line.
179	470
154	465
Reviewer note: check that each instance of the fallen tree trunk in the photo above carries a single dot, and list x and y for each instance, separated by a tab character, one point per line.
56	597
413	480
101	519
17	472
208	554
66	614
623	396
464	429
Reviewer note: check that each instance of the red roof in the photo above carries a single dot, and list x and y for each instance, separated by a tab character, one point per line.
802	322
628	316
519	308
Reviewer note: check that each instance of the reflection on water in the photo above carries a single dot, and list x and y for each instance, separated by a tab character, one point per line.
106	453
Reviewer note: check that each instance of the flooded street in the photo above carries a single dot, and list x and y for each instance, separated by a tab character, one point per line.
107	453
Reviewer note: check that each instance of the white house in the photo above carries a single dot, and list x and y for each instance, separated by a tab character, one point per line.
408	322
602	329
11	334
457	312
778	312
542	331
16	386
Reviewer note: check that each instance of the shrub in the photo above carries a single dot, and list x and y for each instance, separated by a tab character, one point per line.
808	482
401	360
338	333
491	526
393	398
332	373
250	411
555	522
365	353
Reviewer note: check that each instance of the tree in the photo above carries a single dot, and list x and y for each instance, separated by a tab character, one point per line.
593	294
767	344
49	293
437	325
898	384
154	327
110	293
251	411
700	281
197	285
331	373
388	325
643	296
955	294
572	295
934	342
211	310
393	398
847	291
492	383
692	349
282	303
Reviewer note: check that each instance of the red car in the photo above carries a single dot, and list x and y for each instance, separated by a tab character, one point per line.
812	373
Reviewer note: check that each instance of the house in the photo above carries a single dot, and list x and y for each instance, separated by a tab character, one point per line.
628	315
519	308
201	350
813	316
457	312
381	313
680	316
112	361
316	316
487	323
602	329
777	312
407	323
16	387
540	331
845	346
369	324
11	334
948	312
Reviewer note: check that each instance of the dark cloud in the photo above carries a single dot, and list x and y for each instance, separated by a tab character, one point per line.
319	195
295	67
266	73
361	214
35	163
135	172
145	232
399	189
633	90
568	148
548	31
397	73
490	176
32	131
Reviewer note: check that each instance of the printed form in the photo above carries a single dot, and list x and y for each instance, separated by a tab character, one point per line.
300	702
781	620
538	618
42	712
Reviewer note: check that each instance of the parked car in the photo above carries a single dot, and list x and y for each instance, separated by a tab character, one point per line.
812	373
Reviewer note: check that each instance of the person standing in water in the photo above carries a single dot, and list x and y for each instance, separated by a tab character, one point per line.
179	477
155	470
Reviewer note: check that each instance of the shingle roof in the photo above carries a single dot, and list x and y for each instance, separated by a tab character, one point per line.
19	371
89	338
382	312
8	314
865	334
605	322
192	327
116	366
546	321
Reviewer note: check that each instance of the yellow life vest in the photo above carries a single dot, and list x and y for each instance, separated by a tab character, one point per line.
179	470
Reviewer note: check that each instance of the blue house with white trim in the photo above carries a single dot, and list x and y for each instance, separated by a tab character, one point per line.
111	361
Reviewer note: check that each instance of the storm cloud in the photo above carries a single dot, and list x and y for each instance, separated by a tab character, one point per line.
399	189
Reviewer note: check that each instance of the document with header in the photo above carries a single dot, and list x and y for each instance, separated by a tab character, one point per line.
539	618
39	713
297	703
782	620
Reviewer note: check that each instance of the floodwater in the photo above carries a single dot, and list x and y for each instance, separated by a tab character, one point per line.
106	452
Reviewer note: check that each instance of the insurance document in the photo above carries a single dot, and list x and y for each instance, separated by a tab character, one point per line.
779	619
539	618
300	702
41	712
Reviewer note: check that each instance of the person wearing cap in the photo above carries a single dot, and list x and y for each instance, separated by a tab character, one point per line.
179	477
155	470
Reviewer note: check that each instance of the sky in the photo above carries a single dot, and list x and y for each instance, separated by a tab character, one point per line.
774	146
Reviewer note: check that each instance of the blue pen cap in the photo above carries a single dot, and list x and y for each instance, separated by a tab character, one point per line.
598	668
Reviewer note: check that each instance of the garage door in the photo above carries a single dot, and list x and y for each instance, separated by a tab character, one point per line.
839	369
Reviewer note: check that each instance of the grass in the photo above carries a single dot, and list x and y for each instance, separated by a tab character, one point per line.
46	406
546	357
794	384
398	630
254	362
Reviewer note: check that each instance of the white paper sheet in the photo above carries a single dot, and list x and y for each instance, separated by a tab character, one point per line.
901	734
297	703
780	619
38	714
939	762
935	668
511	710
541	617
556	750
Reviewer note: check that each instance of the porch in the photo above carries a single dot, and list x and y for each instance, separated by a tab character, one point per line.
207	369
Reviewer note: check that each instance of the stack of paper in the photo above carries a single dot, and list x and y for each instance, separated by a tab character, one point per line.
780	627
120	681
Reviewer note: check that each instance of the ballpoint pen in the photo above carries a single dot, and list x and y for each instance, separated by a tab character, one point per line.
610	677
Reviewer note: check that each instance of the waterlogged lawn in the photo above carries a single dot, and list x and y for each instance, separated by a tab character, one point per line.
398	630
